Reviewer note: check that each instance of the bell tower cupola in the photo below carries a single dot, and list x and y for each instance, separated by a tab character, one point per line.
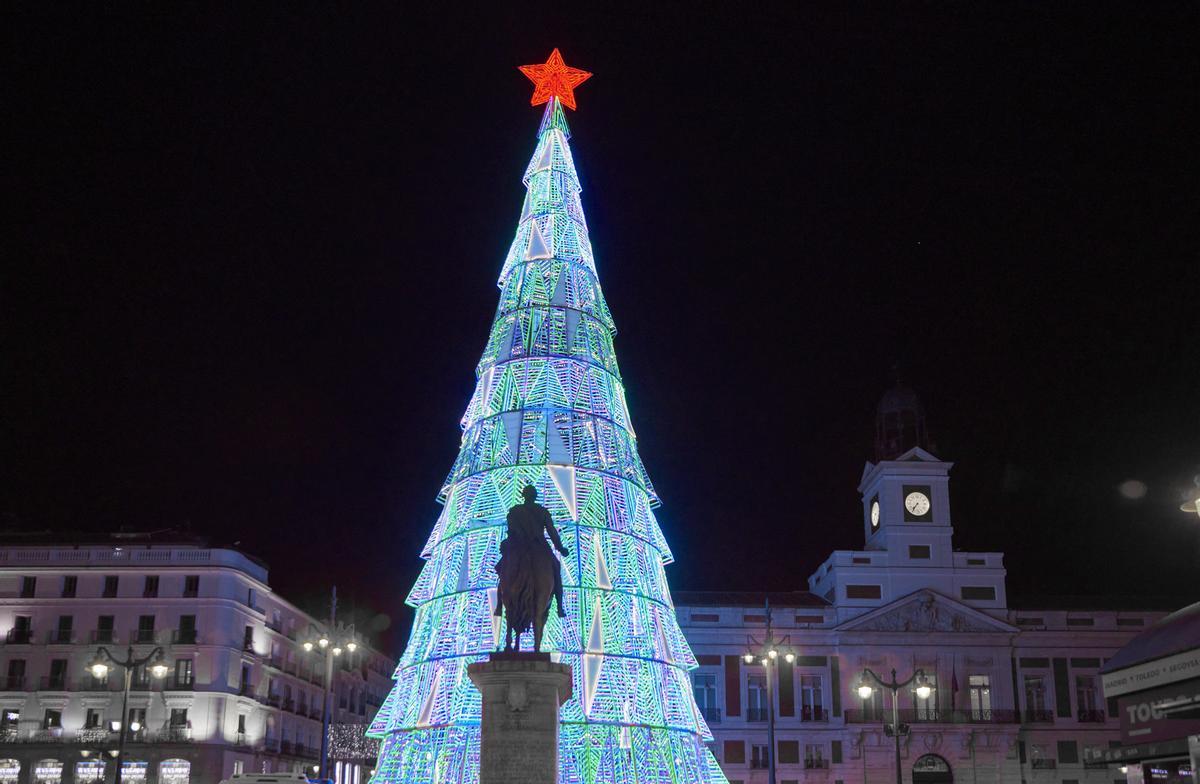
900	423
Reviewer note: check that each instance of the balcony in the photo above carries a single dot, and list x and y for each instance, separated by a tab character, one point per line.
760	763
183	636
103	636
813	713
923	716
285	747
245	690
181	684
1091	716
14	683
60	637
176	734
1043	764
143	636
19	636
241	740
1039	716
756	714
53	683
816	764
289	705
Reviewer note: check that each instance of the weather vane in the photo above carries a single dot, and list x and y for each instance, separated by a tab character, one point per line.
554	79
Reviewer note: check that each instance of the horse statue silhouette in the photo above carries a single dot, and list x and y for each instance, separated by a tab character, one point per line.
530	575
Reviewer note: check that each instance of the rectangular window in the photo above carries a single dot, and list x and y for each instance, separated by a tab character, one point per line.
150	589
927	709
179	717
244	686
918	551
1031	621
814	756
863	591
57	681
52	719
63	633
248	639
1087	700
187	630
979	689
735	752
183	673
137	719
872	707
111	583
16	675
191	586
28	587
22	631
810	619
789	752
705	617
1130	622
1036	708
145	630
70	585
239	766
104	629
979	593
756	698
976	562
704	689
93	719
1081	622
760	756
812	700
858	559
1068	752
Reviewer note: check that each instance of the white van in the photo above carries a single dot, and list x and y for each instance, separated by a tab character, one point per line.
267	778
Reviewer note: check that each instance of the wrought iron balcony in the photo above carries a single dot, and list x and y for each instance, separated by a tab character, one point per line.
184	636
756	714
1043	764
19	636
924	716
60	637
144	636
813	713
103	636
53	683
816	764
1039	716
1091	716
14	683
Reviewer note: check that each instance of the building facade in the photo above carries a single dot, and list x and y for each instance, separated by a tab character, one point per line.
1015	693
241	693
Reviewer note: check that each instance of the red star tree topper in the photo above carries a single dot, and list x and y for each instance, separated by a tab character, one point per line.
554	79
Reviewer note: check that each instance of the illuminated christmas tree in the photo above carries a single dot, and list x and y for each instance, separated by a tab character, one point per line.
549	410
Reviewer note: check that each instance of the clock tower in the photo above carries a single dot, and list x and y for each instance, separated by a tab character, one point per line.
907	526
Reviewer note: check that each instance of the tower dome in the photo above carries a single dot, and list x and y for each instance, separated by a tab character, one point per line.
899	423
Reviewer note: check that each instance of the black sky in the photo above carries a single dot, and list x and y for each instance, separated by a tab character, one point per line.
252	257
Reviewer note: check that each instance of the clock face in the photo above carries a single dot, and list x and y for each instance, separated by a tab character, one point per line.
874	514
916	503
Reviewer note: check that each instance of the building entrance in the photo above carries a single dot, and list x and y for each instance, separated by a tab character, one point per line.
932	769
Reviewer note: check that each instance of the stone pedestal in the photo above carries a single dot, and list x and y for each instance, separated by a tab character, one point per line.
521	696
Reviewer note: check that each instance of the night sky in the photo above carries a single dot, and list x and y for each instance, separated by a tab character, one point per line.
251	259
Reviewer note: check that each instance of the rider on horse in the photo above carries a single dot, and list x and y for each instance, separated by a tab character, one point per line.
528	526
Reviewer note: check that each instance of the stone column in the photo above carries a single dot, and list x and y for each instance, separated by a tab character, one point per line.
521	696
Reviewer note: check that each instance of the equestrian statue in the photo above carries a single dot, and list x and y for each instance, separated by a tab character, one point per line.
530	575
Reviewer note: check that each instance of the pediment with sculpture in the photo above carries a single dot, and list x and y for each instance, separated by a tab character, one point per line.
926	611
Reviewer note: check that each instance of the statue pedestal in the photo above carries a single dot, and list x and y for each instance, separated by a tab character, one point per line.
519	733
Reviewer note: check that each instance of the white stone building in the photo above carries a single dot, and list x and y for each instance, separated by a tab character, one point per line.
1016	696
241	694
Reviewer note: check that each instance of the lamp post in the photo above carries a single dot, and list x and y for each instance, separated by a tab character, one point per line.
923	690
330	643
99	667
767	652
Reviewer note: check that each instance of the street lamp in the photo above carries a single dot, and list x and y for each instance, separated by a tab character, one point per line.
99	667
1193	505
342	638
923	690
767	652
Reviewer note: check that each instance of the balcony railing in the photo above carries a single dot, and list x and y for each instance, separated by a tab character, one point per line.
60	637
144	636
103	636
1091	716
923	716
13	682
53	683
176	734
1039	716
816	764
181	684
756	714
1043	764
241	740
183	636
289	705
760	763
813	713
19	636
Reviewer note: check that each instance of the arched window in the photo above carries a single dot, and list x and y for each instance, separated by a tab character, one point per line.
10	769
932	769
175	771
47	771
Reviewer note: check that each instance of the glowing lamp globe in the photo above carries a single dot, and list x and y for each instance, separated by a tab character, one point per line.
99	669
923	691
337	650
323	642
352	646
789	657
134	726
865	691
308	646
748	658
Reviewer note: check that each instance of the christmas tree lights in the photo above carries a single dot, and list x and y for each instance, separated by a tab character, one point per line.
549	409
